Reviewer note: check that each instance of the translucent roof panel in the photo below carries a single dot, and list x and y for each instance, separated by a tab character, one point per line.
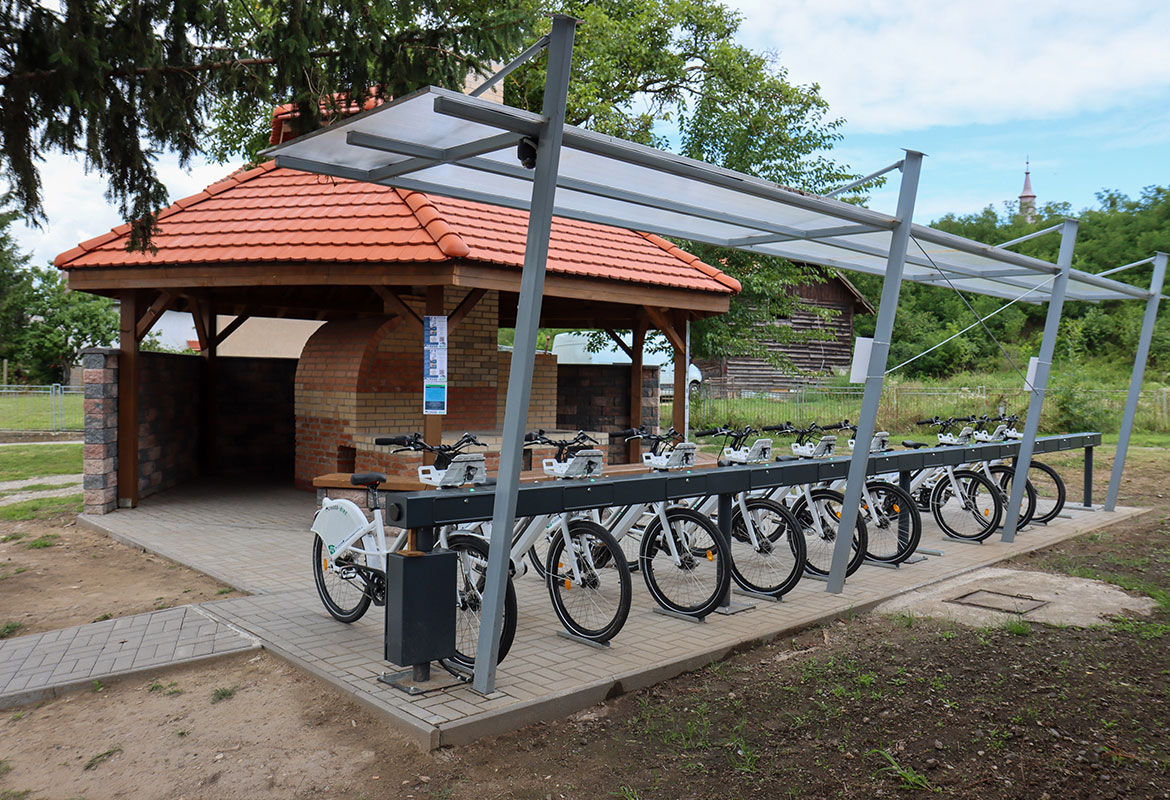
446	143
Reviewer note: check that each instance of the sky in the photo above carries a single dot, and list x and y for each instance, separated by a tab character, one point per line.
1080	88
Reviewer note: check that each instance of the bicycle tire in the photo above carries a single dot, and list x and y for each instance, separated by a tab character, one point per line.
775	564
596	607
894	528
985	512
1002	474
1050	491
471	578
345	598
819	546
695	585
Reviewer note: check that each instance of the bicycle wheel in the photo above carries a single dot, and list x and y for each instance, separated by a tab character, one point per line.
968	508
820	540
343	588
686	568
596	605
774	563
893	526
471	578
1050	491
538	553
1002	475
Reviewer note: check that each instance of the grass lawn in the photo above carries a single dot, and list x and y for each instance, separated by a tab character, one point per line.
41	508
18	462
31	412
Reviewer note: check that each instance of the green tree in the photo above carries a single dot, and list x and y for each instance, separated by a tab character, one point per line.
669	73
116	83
60	324
15	288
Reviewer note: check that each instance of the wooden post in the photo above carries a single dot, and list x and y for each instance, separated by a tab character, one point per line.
679	406
128	366
433	423
637	343
209	391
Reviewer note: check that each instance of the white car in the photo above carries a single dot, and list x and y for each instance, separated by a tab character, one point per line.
573	348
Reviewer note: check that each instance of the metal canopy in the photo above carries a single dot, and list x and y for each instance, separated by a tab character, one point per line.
446	143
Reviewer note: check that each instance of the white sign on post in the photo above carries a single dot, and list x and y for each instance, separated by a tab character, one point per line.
1030	381
862	345
434	365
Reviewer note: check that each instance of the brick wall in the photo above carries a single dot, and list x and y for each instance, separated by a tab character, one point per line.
169	430
360	379
254	421
596	397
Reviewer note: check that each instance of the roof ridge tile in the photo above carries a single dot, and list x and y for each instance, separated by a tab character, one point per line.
694	261
450	243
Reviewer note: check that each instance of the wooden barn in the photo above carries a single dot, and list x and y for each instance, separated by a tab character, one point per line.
738	375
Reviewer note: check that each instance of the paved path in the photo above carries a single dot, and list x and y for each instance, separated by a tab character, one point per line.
44	664
257	539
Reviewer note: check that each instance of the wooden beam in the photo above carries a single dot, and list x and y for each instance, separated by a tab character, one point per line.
128	369
209	390
395	305
679	406
151	315
464	307
231	328
637	345
662	321
629	351
200	318
433	423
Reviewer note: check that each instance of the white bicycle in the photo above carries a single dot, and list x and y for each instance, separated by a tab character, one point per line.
349	550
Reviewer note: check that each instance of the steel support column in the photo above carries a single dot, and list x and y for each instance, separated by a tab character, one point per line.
883	331
1135	382
1068	239
544	186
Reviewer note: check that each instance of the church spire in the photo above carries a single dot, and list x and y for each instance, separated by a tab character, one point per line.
1027	196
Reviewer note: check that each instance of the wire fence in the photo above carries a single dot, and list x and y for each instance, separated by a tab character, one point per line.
902	407
42	408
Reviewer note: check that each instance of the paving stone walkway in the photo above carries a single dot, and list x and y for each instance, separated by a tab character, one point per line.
257	539
44	664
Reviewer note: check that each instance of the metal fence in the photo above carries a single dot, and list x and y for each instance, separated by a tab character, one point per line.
901	407
42	408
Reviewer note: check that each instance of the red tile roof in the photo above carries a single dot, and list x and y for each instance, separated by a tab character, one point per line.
271	215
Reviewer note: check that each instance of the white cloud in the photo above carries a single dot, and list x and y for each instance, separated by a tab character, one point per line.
77	209
897	66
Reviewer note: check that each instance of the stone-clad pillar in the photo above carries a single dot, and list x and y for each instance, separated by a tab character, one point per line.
100	376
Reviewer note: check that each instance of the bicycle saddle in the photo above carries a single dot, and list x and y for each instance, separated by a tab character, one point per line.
370	479
914	445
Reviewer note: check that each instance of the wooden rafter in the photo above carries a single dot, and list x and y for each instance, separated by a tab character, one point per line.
151	315
464	308
198	313
395	305
629	351
231	328
661	319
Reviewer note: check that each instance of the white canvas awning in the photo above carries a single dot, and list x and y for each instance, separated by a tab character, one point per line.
446	143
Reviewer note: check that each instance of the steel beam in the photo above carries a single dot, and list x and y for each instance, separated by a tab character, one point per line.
883	331
1135	381
544	187
862	181
1068	239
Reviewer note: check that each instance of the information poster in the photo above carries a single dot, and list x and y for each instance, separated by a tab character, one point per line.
434	365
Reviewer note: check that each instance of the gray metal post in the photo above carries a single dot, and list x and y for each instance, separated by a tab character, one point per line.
544	186
1135	382
1068	239
883	332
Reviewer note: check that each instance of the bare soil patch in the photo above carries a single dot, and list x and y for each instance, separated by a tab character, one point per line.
54	574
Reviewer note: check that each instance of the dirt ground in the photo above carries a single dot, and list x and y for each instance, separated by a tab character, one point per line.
864	707
71	575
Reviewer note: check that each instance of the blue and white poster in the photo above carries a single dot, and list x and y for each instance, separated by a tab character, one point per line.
434	365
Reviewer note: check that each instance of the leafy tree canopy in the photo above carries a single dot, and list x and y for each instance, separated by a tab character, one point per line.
118	82
1120	230
669	73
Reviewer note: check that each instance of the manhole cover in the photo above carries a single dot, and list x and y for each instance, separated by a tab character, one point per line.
997	601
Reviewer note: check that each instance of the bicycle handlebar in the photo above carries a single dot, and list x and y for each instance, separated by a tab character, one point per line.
711	432
395	441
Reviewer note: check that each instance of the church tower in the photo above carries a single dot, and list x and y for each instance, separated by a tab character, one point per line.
1027	196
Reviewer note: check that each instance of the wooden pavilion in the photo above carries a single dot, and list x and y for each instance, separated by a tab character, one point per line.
370	261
